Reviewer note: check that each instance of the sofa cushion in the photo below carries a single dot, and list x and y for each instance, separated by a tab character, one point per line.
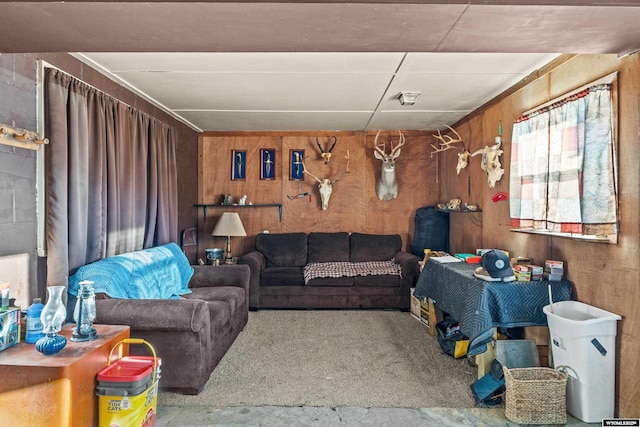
331	281
327	247
383	280
232	295
283	249
374	247
282	276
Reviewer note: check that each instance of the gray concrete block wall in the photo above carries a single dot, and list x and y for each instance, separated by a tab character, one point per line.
18	216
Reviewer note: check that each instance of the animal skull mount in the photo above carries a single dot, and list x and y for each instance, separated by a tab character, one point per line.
491	162
463	161
326	155
325	185
454	205
386	184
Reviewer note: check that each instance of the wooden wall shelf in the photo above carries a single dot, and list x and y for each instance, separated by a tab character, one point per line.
206	206
459	211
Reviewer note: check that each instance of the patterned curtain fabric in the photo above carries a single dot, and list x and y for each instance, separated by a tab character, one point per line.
529	171
110	177
563	166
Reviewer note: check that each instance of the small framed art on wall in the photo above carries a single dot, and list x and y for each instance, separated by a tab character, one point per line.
295	164
267	163
238	165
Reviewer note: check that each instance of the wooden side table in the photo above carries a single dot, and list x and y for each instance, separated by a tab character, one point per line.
56	390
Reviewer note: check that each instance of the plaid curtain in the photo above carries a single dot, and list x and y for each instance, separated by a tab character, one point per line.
529	171
563	166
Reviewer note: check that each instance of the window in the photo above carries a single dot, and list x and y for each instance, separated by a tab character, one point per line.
563	166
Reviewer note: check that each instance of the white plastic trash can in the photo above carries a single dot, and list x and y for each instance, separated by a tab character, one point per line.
583	339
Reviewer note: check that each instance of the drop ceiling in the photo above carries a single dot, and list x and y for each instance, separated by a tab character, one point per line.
325	65
318	91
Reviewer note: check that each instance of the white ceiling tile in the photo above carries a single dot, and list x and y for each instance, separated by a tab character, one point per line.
422	120
267	121
263	91
475	63
317	91
258	62
446	92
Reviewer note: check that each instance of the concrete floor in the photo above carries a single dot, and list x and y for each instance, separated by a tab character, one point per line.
200	416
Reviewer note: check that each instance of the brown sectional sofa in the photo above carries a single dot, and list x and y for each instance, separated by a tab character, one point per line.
278	262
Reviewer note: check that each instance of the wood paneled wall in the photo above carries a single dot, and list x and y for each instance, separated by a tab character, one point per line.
354	205
604	275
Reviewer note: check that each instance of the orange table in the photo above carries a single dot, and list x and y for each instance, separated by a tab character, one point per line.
56	390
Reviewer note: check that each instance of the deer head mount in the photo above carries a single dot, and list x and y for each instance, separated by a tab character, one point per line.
386	184
326	155
325	185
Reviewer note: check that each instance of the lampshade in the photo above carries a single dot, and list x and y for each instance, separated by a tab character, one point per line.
229	224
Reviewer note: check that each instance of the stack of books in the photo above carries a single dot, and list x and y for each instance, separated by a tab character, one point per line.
553	270
522	273
527	272
469	258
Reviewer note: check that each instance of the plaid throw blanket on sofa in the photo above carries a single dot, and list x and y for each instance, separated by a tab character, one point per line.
316	270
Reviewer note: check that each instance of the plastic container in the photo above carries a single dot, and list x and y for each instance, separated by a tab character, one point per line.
34	324
128	389
583	341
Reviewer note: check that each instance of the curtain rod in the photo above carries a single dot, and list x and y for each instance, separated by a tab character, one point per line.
48	65
609	78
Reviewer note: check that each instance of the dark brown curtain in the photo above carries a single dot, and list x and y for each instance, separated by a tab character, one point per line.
110	177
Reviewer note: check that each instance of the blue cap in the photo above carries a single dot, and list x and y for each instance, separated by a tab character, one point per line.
496	263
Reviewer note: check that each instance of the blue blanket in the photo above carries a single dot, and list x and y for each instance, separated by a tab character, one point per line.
156	273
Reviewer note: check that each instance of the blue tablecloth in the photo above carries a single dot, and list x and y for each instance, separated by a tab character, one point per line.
479	305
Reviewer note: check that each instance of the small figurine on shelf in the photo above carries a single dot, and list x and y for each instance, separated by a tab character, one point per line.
243	200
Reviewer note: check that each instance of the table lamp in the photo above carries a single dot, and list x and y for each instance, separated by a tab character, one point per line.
229	225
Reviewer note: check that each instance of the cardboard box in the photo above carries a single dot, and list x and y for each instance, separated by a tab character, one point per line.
424	311
9	327
415	305
536	271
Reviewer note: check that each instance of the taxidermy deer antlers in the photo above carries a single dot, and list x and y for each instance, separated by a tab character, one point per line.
326	155
386	184
446	141
446	144
325	185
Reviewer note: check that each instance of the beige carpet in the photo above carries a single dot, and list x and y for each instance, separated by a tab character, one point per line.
335	358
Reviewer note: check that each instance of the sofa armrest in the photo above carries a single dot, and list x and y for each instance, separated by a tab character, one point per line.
257	263
410	274
151	314
220	275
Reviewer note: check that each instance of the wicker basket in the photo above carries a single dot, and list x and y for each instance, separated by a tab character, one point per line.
535	396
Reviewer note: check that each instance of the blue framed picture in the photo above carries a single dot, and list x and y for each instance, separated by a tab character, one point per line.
295	164
238	165
267	163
